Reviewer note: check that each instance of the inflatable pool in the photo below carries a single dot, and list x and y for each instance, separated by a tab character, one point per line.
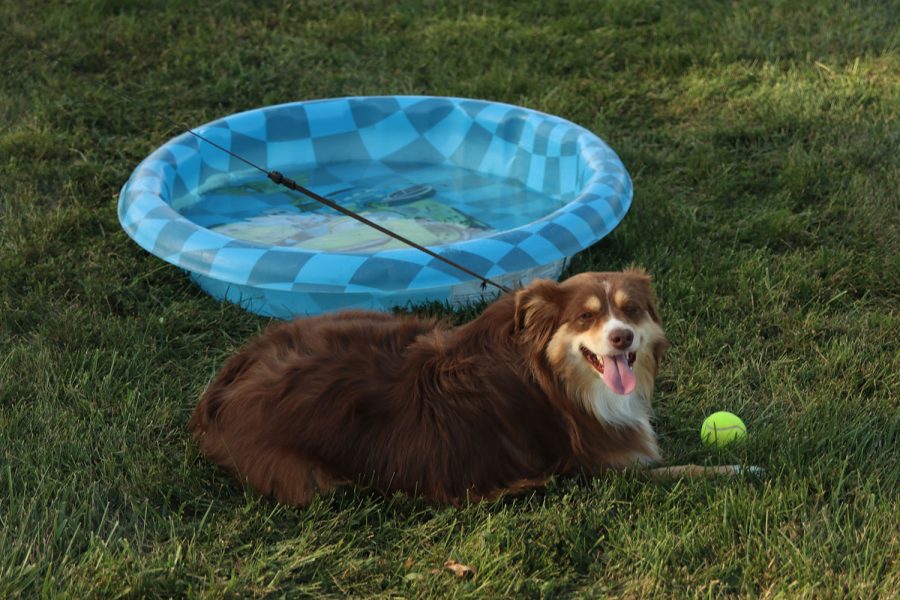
507	192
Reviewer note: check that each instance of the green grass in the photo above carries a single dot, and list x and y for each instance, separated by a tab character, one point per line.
763	142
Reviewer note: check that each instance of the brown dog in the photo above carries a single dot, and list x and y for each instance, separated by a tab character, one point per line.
550	379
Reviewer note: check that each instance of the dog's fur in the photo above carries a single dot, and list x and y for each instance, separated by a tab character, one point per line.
495	406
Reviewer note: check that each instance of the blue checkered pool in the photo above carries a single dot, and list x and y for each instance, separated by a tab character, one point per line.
507	192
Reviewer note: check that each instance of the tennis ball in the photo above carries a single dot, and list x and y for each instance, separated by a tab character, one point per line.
722	428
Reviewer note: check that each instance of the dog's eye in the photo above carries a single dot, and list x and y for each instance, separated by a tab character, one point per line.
631	309
586	315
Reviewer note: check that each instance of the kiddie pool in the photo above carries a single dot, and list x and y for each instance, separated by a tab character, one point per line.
507	192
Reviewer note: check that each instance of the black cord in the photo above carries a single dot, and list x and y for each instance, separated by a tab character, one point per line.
290	184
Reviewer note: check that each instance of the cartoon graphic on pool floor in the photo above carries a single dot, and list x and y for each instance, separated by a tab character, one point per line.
411	212
432	205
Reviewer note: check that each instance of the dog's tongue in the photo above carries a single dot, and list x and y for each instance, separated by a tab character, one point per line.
618	375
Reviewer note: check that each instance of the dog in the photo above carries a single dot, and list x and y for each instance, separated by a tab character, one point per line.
552	379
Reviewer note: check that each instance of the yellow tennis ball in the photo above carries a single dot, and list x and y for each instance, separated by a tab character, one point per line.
722	428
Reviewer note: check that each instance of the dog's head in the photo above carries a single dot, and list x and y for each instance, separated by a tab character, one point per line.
602	336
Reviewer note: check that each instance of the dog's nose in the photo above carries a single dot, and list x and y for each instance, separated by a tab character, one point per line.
621	339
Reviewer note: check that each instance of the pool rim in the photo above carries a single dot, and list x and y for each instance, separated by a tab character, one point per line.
597	155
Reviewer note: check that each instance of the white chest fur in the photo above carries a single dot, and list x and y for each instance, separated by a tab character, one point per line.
623	411
614	409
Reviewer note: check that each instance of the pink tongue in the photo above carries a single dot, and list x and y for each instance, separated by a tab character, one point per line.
618	375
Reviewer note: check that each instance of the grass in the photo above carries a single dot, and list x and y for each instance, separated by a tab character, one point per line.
762	139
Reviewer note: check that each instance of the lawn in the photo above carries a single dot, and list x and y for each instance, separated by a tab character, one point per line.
762	138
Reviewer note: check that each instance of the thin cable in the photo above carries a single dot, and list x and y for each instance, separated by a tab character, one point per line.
290	184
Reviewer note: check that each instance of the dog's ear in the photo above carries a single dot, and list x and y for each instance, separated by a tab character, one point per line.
645	281
659	349
643	278
653	311
538	309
